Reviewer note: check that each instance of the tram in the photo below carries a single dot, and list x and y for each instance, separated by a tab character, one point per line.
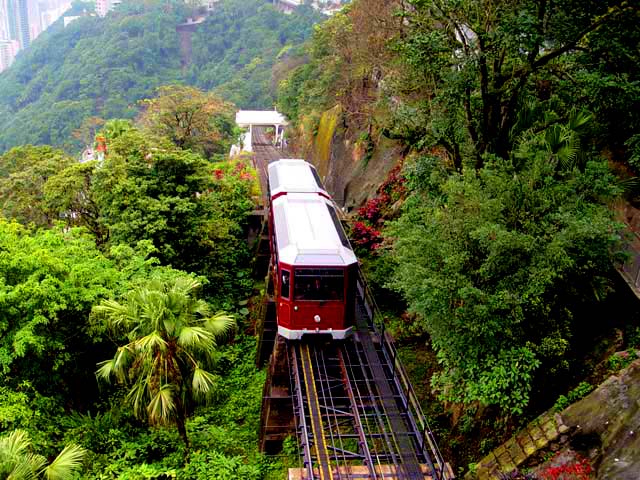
314	267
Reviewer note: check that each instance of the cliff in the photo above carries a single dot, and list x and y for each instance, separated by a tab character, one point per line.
351	165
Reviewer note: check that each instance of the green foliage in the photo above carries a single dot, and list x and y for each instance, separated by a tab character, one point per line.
495	264
24	171
17	462
100	67
69	194
235	50
621	360
49	281
485	64
148	189
581	391
190	118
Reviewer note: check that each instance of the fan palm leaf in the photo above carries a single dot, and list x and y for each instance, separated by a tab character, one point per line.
17	462
203	383
66	465
162	406
220	324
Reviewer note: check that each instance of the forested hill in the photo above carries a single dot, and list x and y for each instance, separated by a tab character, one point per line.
100	67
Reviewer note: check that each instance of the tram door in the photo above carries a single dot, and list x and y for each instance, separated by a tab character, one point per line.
284	306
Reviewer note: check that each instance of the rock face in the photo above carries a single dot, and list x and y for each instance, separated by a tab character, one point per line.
350	174
604	427
611	413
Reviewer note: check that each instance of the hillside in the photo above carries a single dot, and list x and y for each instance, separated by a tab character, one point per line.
102	67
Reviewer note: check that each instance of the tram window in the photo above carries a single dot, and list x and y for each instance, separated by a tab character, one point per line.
316	177
285	287
338	227
319	284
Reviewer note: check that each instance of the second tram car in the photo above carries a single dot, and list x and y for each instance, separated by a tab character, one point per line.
314	266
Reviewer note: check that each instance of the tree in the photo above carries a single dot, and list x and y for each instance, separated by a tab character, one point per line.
69	194
88	130
116	127
477	63
51	278
172	342
148	189
18	462
190	118
502	266
24	172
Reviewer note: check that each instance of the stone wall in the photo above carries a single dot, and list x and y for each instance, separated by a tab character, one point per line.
609	418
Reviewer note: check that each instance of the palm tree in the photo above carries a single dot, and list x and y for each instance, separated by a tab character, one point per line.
172	341
17	462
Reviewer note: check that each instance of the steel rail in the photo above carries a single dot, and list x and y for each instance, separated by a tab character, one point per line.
300	413
322	455
337	441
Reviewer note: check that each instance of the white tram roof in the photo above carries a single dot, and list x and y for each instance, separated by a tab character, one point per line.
308	232
294	175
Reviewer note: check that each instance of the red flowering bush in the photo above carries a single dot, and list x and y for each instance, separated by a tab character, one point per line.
579	470
238	168
366	236
393	186
371	209
370	215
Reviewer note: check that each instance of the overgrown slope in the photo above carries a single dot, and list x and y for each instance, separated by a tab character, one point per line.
103	66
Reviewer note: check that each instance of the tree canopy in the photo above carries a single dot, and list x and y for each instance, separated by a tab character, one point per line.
191	119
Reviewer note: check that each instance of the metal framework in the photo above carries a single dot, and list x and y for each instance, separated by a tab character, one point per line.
352	408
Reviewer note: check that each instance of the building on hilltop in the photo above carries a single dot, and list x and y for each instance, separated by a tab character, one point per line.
105	6
8	51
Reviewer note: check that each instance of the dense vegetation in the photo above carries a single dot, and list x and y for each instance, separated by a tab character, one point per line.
510	115
100	67
124	284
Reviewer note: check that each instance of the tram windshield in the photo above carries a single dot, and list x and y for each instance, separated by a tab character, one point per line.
318	284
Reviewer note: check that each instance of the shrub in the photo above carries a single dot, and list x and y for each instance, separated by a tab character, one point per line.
574	395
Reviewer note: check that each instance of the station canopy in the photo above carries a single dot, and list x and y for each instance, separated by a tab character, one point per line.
246	118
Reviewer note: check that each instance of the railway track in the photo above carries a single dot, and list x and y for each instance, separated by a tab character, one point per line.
264	152
352	416
354	411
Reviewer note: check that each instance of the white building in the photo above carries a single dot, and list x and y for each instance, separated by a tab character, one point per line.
8	51
105	6
328	7
4	20
68	20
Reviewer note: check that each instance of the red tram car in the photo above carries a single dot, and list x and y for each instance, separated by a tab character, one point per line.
314	266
